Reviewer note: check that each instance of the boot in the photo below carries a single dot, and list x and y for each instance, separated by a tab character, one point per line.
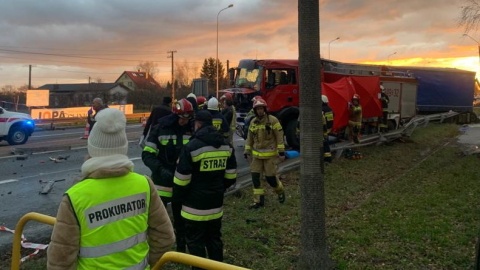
259	204
281	197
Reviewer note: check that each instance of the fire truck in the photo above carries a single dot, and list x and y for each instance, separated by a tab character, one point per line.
277	82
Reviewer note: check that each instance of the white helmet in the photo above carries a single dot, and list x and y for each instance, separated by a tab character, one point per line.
324	99
212	104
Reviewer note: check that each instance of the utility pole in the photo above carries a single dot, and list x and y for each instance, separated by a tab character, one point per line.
29	77
173	76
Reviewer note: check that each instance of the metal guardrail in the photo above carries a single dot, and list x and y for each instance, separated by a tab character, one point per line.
244	178
17	236
191	260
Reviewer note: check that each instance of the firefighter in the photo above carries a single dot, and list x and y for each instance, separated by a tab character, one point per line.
264	148
161	153
206	168
230	114
327	115
355	120
384	99
219	121
201	102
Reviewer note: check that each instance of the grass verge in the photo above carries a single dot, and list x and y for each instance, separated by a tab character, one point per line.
412	204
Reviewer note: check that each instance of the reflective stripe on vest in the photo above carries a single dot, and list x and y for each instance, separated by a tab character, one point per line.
201	215
99	251
113	221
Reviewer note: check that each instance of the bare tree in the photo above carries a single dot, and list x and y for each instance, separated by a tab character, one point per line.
470	15
313	254
149	67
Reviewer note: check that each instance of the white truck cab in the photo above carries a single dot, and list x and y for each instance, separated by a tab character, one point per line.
15	127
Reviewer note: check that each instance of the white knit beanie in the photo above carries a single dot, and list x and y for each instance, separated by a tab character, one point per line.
108	136
212	104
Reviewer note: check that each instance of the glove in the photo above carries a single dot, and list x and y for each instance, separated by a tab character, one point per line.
281	156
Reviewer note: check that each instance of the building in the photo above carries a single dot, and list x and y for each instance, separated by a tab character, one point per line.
136	80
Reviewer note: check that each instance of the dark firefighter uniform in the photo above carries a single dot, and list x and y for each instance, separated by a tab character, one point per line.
384	99
327	115
160	155
355	120
205	169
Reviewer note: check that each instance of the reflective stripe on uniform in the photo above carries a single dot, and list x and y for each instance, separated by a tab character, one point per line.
151	149
164	191
182	179
164	139
211	152
264	152
277	126
201	215
115	210
258	191
104	250
231	174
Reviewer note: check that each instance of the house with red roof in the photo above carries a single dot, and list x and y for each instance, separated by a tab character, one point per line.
136	80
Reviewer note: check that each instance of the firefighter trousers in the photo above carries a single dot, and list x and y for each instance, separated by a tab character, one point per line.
269	169
205	237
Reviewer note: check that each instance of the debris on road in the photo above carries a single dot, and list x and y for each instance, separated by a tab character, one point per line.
49	185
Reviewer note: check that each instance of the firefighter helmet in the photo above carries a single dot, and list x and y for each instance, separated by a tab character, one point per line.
259	102
212	104
227	96
324	99
201	100
183	108
356	96
256	97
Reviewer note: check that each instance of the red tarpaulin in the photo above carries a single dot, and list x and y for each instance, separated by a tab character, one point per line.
340	90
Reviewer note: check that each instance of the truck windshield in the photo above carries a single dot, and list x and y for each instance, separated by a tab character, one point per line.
249	78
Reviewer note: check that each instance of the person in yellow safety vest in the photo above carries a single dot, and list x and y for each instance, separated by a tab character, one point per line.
328	117
112	218
219	121
264	149
160	155
206	168
230	114
385	100
355	120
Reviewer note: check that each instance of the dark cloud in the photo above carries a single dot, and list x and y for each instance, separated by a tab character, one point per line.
127	32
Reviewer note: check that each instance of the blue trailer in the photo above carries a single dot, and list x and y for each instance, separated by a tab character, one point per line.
442	89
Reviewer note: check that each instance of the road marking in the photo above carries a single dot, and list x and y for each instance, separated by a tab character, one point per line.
8	181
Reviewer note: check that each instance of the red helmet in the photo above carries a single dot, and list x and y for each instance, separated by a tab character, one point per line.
259	102
256	97
356	96
201	100
183	108
227	96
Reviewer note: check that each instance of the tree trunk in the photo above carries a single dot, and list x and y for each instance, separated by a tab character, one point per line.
313	253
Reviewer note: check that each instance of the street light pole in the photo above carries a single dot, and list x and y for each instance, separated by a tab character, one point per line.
218	14
329	46
478	44
388	58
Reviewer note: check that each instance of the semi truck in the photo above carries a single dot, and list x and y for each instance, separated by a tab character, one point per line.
276	80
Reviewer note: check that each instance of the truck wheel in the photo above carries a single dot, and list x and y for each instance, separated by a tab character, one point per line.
292	135
17	135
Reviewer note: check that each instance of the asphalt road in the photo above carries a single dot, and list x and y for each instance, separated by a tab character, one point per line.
24	170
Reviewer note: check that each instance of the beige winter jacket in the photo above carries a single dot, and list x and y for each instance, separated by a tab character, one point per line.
65	241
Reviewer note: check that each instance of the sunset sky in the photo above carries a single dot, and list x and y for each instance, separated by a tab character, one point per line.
68	41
